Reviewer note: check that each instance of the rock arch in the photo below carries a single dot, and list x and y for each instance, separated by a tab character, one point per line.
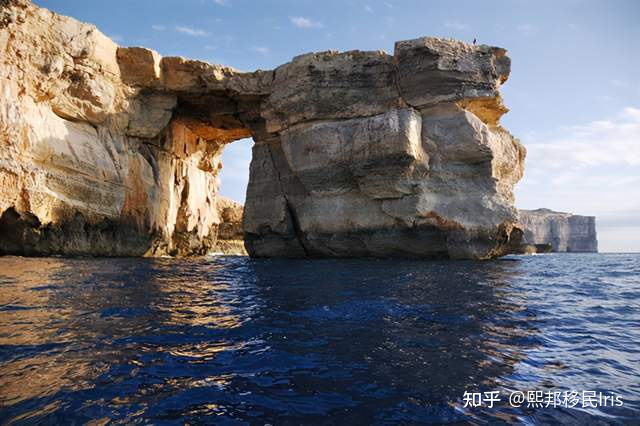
113	150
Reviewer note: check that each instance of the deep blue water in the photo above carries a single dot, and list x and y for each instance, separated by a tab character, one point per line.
234	340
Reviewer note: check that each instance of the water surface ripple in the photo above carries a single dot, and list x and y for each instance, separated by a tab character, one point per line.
231	340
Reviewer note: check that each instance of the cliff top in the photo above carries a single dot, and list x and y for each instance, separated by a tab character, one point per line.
548	212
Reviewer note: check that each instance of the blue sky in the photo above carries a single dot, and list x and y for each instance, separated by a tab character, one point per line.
574	90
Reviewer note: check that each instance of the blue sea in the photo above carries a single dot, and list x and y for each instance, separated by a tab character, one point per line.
232	340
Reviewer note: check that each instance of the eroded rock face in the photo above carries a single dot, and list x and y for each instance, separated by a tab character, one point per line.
115	151
395	156
230	233
91	163
564	232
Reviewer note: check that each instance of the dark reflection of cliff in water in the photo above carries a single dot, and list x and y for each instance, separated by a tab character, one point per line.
403	339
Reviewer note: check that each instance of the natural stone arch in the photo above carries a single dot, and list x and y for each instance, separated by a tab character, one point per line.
115	151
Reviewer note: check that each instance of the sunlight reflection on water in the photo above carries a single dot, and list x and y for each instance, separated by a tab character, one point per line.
175	340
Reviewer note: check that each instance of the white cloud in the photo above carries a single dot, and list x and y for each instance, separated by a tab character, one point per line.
156	27
368	8
591	169
456	25
263	50
609	142
302	22
191	31
221	2
528	29
389	5
632	114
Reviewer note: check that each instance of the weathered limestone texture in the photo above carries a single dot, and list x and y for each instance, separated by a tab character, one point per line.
109	150
390	156
565	232
230	233
91	160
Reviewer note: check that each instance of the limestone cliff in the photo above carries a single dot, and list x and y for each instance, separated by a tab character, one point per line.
108	150
378	155
90	163
230	233
565	232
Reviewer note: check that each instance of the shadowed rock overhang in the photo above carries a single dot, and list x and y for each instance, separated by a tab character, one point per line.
111	150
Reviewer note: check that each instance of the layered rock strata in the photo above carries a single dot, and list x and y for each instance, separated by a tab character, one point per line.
111	150
230	233
563	232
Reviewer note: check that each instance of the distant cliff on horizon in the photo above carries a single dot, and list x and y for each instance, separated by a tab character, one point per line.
564	232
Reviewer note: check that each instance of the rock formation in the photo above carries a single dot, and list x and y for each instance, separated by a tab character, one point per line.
111	150
564	232
230	233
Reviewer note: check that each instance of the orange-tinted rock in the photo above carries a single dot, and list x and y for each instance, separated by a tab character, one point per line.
111	150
